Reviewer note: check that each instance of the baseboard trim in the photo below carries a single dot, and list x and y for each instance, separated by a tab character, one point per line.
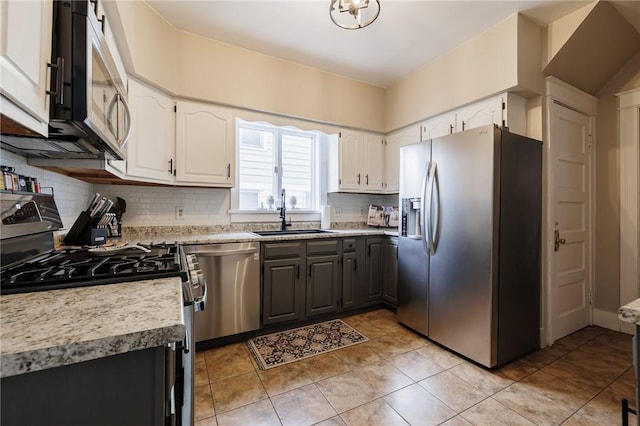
610	320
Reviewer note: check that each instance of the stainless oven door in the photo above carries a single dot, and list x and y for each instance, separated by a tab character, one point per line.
108	114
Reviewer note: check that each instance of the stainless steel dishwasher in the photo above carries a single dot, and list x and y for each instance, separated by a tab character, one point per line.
232	274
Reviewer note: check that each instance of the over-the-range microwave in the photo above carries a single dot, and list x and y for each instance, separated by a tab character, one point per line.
89	115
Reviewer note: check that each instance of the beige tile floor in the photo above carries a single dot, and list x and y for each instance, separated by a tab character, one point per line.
399	378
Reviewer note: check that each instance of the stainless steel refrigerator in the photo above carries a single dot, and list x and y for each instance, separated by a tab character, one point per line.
470	241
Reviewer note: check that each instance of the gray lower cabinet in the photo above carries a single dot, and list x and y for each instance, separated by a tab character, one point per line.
304	279
352	273
283	282
323	282
391	271
124	389
374	275
323	276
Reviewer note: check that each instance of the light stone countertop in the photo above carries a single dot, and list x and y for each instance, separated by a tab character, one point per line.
630	312
59	327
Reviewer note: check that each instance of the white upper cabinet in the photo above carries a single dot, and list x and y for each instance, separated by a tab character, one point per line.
25	50
506	109
372	167
349	159
360	160
151	146
205	153
440	125
477	114
393	142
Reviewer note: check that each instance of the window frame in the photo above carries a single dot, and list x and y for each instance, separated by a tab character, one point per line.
258	215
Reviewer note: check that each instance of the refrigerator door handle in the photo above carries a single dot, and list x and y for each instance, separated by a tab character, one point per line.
428	210
435	220
423	212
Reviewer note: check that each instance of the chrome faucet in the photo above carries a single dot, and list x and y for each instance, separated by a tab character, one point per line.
283	211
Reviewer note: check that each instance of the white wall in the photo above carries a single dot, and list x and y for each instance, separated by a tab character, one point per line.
195	67
71	195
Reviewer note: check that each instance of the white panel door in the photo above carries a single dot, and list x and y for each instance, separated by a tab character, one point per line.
25	49
373	168
204	145
570	287
151	147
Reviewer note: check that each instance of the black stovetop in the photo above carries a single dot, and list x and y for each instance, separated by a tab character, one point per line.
68	268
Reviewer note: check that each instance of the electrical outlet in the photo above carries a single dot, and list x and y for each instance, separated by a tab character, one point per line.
179	212
361	212
337	211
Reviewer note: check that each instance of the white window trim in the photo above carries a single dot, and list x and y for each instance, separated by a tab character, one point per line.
272	216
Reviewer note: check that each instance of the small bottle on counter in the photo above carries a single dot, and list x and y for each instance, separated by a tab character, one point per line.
36	185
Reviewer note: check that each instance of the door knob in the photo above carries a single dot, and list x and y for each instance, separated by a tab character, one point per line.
557	239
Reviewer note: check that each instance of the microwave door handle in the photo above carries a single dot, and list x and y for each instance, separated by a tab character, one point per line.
112	104
127	113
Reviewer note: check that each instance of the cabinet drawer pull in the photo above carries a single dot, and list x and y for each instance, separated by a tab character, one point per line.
171	166
228	170
358	178
367	177
298	271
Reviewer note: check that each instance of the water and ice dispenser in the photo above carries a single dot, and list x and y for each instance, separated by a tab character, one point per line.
410	225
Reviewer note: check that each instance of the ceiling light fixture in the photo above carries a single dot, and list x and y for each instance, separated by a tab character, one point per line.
354	14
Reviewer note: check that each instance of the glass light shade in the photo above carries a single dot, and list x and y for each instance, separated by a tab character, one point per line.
354	14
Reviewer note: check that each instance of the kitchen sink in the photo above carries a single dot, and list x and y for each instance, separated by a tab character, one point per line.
291	232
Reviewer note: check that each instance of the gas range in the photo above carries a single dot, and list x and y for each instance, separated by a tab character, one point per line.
58	269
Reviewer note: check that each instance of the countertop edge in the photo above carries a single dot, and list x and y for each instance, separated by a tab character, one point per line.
58	356
42	330
249	237
630	312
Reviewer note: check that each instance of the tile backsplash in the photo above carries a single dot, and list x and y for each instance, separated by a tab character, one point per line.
156	205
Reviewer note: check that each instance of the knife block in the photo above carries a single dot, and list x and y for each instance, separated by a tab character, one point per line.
84	232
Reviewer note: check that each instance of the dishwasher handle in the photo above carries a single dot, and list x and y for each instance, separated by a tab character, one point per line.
216	253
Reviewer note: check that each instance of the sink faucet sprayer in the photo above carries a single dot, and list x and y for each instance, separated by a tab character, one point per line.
283	211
